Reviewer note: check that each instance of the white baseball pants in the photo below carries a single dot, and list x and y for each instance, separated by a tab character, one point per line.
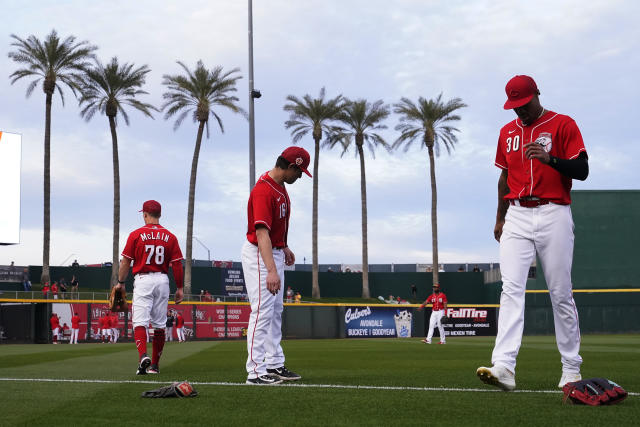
180	333
548	231
264	332
436	320
150	300
74	336
169	333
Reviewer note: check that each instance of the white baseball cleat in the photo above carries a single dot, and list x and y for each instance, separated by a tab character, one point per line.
497	376
569	377
425	341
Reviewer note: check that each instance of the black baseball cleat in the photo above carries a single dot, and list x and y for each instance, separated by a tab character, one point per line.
153	369
284	374
264	380
145	361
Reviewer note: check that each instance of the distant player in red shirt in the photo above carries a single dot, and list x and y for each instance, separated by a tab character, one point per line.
264	255
439	301
55	327
113	323
539	153
180	327
75	328
152	249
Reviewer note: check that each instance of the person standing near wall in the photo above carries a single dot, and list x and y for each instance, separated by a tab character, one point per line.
439	301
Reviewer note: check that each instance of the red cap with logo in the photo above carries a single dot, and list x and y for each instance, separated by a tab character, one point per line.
152	207
520	91
298	156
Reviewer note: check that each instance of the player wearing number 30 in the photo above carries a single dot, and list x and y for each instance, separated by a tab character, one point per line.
152	249
264	254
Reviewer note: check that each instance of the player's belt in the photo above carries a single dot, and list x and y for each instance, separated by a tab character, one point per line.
150	272
528	202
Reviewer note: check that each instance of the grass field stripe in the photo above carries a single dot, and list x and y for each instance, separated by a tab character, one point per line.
336	386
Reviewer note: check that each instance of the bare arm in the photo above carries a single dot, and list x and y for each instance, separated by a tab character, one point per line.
503	205
266	252
123	271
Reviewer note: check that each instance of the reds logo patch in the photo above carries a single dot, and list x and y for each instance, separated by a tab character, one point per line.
299	161
544	139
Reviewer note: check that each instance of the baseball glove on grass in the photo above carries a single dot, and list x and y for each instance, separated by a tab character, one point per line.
183	389
593	392
118	299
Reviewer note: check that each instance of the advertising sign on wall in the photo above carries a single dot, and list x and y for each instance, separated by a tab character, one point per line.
233	282
470	321
377	322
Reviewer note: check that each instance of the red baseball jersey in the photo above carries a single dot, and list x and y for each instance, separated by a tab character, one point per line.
75	322
55	322
560	137
179	321
269	205
152	249
438	300
113	320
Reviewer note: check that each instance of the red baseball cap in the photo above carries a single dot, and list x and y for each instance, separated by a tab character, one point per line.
152	207
520	90
298	156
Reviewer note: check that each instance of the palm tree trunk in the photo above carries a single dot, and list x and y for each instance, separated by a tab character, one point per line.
315	287
116	202
45	277
192	195
365	247
434	214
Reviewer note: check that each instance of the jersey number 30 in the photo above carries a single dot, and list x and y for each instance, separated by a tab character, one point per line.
152	250
516	143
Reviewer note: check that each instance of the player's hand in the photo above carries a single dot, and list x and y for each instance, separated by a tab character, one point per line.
497	230
273	282
179	296
289	257
119	286
534	150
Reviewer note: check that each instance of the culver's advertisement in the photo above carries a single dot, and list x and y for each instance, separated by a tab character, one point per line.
377	322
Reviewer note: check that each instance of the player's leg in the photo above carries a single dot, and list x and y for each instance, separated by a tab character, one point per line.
517	252
274	356
443	338
141	314
432	326
261	300
555	249
159	318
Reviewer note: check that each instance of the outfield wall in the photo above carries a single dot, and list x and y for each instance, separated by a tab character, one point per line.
600	312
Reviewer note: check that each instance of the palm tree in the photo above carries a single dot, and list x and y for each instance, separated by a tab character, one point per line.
196	93
53	61
429	122
315	115
107	89
362	120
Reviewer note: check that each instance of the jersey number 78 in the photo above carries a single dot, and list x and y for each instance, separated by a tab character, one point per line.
158	251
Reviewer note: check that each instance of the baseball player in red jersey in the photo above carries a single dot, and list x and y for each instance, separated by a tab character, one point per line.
75	328
55	327
264	255
439	301
539	153
180	327
113	323
151	248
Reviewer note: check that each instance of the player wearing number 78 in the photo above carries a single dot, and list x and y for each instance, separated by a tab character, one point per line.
151	248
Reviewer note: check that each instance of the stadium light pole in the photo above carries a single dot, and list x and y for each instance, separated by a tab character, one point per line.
208	251
252	129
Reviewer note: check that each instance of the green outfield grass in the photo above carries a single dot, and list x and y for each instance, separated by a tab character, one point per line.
378	363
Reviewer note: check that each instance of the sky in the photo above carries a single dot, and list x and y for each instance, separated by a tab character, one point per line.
583	56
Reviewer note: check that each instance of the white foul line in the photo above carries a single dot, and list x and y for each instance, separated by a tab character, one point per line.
297	385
